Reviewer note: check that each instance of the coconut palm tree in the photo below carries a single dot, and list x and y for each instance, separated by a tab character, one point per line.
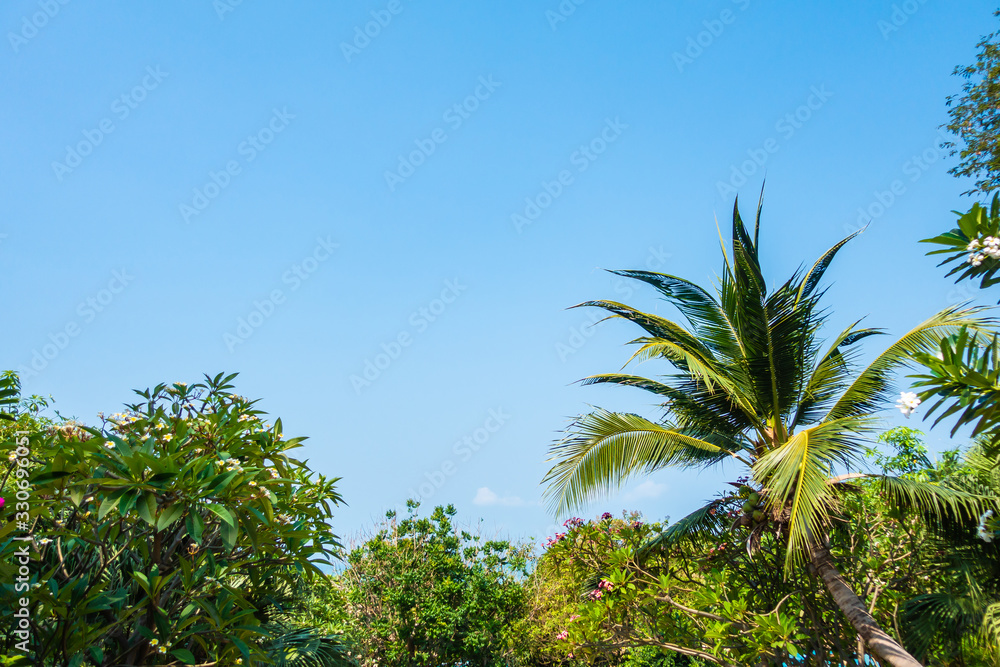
753	383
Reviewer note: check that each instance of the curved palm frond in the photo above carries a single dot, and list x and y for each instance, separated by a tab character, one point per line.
830	376
703	520
701	310
814	275
603	448
796	476
308	647
941	503
872	387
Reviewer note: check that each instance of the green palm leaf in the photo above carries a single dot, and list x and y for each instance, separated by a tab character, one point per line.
872	388
604	448
796	476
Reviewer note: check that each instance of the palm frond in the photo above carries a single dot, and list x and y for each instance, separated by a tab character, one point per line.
10	394
814	275
796	473
307	647
704	520
602	449
872	388
830	376
937	502
700	309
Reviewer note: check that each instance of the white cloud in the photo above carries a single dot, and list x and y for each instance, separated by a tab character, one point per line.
646	490
486	496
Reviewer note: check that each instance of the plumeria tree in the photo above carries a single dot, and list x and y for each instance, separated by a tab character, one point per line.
164	535
754	384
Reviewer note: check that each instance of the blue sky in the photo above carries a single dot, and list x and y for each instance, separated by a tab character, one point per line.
306	193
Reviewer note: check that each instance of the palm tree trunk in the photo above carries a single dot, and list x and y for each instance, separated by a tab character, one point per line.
880	643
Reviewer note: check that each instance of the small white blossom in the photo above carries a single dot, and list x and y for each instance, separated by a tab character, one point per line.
982	533
908	403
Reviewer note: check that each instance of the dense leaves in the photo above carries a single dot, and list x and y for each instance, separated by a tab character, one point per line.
421	591
163	533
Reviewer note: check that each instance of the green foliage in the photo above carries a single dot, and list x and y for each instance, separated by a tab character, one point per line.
910	455
972	244
423	592
164	533
964	378
975	117
698	600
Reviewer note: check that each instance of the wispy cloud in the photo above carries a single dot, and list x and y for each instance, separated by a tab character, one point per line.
645	491
486	496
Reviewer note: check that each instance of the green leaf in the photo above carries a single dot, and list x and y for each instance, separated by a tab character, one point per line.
195	525
229	534
222	513
169	515
183	655
146	508
108	504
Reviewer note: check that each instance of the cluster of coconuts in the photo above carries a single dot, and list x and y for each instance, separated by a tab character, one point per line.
753	508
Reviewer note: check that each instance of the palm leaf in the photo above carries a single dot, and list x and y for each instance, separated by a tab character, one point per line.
603	448
941	503
795	476
872	388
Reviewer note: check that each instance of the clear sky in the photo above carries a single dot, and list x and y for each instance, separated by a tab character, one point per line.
378	212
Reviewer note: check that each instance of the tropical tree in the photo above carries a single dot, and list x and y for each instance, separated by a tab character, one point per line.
754	384
167	535
975	117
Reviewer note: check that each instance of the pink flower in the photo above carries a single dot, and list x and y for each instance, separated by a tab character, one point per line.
1	503
563	635
574	617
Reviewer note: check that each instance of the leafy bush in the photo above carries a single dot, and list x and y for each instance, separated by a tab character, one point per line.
163	535
423	592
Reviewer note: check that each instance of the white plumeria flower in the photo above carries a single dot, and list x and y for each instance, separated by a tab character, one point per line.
973	244
908	403
982	533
